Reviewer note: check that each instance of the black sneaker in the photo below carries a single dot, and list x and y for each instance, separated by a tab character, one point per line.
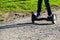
50	17
38	17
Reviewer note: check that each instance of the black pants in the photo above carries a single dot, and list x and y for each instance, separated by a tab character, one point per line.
47	7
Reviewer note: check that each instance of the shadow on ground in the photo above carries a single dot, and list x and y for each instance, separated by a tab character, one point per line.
22	25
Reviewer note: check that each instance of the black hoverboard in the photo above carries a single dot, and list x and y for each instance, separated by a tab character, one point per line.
53	18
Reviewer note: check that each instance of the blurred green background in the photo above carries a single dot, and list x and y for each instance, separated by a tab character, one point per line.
23	5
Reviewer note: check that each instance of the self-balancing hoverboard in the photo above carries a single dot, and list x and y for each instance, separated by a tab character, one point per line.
53	18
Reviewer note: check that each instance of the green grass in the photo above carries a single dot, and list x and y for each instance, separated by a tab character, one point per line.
23	5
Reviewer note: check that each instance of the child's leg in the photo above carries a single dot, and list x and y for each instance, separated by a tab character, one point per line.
39	7
48	7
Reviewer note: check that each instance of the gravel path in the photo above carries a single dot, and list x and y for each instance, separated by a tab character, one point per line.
23	29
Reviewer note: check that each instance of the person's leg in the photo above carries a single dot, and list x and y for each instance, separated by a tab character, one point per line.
39	7
48	7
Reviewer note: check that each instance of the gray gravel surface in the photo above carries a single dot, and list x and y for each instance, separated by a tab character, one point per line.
23	29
